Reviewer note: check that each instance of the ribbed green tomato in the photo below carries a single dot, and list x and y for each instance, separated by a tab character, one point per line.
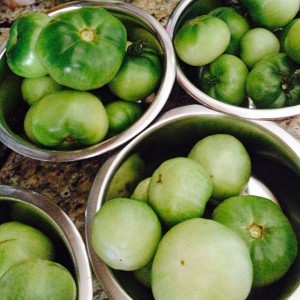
267	232
84	48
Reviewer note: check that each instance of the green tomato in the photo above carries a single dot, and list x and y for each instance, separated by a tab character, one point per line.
274	82
83	49
256	44
225	79
143	274
292	40
125	233
67	119
272	14
201	259
179	190
11	253
227	162
141	190
128	175
34	89
139	75
34	242
201	40
266	231
21	52
37	279
121	115
237	24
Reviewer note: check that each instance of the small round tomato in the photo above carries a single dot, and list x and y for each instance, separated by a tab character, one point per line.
121	115
272	14
274	82
292	41
256	44
238	26
266	231
67	119
34	89
225	79
21	52
201	40
84	48
139	75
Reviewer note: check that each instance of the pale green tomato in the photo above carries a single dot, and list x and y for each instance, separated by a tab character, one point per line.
179	190
125	233
141	190
201	259
227	162
201	40
34	89
256	44
37	279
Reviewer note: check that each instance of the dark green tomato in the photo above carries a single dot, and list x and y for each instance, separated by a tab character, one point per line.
21	53
83	49
267	232
274	82
67	119
139	75
121	115
225	79
237	24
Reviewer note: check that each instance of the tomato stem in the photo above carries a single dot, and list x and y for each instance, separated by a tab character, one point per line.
87	34
256	231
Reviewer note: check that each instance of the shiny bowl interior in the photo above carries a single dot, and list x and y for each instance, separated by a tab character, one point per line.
188	9
11	116
275	157
41	213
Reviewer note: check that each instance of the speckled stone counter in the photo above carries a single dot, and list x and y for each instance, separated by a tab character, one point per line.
69	184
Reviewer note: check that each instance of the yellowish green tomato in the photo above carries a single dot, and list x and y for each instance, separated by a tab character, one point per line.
38	279
256	44
67	119
237	23
201	259
292	40
34	89
125	233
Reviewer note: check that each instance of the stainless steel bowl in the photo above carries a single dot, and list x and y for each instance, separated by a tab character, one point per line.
190	8
132	16
44	215
275	157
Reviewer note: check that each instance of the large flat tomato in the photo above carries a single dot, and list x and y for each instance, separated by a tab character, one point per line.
67	119
83	49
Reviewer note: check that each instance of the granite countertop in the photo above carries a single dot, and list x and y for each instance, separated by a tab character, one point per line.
69	184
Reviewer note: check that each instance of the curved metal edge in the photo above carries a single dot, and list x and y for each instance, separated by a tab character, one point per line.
70	234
